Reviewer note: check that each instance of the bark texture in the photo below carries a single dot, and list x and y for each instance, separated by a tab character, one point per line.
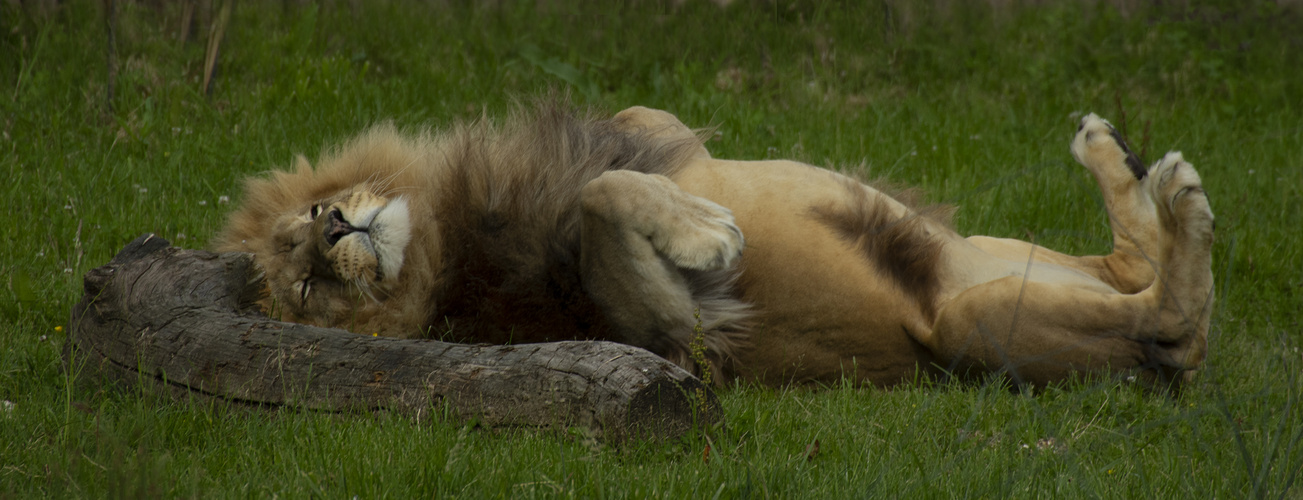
186	321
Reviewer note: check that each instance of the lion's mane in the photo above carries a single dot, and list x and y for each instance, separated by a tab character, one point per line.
494	253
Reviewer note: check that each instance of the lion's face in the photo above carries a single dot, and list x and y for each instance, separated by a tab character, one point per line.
336	257
337	253
351	243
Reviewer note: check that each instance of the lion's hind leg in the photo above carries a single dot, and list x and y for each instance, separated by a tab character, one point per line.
1185	282
661	263
1040	332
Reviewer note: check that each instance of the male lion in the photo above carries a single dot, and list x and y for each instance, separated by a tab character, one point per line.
557	226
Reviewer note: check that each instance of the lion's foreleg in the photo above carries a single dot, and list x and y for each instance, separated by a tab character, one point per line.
1123	183
639	232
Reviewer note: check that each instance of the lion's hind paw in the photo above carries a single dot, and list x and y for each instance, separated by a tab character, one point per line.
1179	190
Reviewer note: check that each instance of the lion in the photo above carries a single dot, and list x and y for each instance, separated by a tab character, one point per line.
559	224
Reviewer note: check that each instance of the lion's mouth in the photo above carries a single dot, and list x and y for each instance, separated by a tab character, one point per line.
337	228
372	243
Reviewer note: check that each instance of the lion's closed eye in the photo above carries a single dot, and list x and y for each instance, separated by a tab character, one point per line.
303	288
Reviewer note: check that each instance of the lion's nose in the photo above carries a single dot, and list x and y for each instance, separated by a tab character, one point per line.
336	227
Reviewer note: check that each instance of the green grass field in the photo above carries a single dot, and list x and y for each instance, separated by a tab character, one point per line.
973	101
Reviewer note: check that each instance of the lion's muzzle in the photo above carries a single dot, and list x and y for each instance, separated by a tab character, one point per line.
337	227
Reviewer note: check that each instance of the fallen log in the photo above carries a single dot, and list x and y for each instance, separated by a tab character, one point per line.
186	321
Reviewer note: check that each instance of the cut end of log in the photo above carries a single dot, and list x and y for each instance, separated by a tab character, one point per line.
668	408
185	321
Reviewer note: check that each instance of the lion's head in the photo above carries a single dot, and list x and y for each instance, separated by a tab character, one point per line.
473	230
335	241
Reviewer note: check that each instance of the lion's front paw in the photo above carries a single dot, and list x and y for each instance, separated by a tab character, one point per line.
699	234
691	231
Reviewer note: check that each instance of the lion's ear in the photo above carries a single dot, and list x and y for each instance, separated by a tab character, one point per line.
301	165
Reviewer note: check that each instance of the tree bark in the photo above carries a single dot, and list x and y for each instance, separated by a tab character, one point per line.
186	321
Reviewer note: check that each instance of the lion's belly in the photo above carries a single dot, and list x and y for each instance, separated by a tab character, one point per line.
824	311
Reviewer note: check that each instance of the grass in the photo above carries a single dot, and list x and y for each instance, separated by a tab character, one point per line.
971	102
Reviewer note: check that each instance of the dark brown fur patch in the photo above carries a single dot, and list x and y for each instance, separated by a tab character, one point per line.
508	217
1133	161
902	248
